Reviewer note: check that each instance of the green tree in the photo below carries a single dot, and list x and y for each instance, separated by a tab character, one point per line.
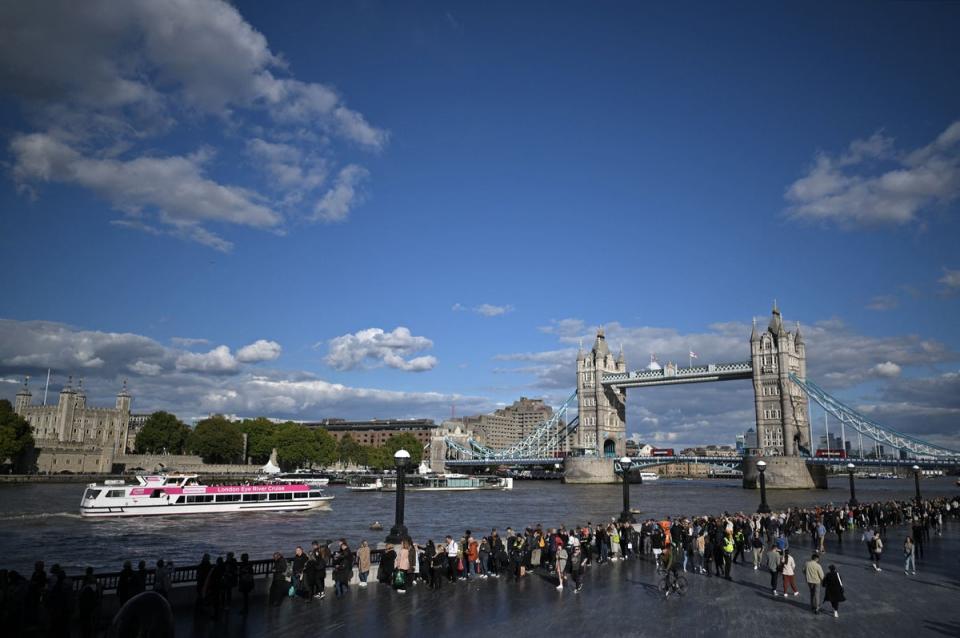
406	442
296	445
261	438
162	432
217	440
16	440
348	450
327	446
378	458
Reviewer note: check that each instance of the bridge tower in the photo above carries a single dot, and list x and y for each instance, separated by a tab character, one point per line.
783	416
602	409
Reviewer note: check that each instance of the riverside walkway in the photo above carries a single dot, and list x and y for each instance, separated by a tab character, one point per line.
621	599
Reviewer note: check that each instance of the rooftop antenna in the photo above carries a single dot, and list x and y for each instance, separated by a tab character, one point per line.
46	387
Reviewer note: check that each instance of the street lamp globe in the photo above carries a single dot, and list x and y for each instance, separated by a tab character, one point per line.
761	465
401	458
626	462
916	468
851	466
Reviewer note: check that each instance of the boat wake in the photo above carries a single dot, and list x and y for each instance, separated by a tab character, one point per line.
38	516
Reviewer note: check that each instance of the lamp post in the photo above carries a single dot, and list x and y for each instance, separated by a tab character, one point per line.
764	508
916	481
626	516
399	531
853	491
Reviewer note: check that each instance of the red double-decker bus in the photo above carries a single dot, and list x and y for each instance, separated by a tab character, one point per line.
662	451
831	454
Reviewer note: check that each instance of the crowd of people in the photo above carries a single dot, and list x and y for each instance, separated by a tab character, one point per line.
704	545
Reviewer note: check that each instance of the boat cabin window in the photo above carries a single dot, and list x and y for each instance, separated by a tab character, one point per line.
254	497
227	498
281	496
316	494
172	481
115	494
92	493
300	495
200	498
156	493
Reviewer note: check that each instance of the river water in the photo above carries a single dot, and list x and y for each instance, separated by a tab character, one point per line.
40	521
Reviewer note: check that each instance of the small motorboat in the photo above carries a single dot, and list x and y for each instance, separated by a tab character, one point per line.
376	526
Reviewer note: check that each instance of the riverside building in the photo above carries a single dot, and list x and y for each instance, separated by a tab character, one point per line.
72	436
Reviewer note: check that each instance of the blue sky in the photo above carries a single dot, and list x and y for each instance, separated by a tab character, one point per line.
369	209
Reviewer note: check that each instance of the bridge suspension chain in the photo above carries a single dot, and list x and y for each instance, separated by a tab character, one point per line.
847	415
546	439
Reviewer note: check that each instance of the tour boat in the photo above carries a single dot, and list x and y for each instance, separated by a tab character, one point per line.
307	477
649	476
448	483
366	484
183	494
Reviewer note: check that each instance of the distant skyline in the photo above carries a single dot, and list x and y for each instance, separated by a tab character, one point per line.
305	210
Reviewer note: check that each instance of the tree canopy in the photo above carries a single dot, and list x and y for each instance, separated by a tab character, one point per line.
261	434
162	432
217	440
16	440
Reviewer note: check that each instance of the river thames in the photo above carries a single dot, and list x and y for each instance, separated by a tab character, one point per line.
41	521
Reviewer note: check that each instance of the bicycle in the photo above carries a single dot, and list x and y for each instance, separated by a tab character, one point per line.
670	583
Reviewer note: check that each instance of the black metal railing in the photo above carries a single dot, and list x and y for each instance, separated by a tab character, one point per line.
188	574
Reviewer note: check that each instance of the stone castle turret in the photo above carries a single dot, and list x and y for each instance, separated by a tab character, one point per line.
783	423
602	410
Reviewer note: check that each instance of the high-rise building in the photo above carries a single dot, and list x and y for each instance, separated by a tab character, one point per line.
511	424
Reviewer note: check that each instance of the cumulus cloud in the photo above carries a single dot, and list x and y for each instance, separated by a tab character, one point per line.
259	350
484	309
886	369
872	183
174	187
376	347
120	77
193	385
218	360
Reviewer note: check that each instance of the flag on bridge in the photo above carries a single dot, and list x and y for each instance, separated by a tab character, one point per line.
693	355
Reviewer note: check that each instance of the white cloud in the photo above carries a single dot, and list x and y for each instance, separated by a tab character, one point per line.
188	342
122	75
173	188
351	351
217	360
205	384
259	350
853	189
883	302
485	309
950	281
146	369
336	203
886	369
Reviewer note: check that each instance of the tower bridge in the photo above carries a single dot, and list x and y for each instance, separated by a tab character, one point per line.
777	367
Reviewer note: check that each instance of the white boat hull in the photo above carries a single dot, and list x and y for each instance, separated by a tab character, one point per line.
203	508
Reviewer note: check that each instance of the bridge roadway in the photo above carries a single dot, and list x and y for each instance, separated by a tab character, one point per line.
672	375
621	599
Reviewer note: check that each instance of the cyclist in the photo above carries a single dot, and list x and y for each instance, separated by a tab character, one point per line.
672	560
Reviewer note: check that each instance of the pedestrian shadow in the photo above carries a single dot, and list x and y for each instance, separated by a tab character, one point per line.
648	588
792	601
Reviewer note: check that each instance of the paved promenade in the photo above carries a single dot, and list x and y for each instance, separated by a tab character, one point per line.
621	599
